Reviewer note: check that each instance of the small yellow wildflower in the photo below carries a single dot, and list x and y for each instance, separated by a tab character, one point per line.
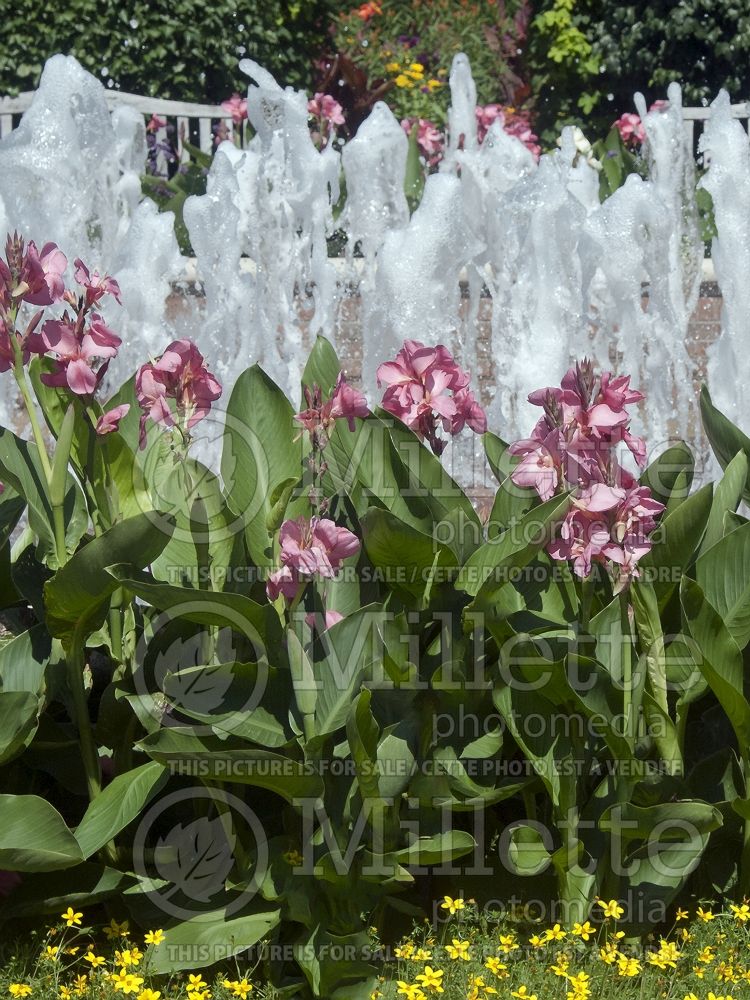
628	966
681	914
393	67
611	909
19	990
433	84
405	951
65	993
458	950
95	960
508	943
537	942
115	930
706	954
149	995
422	955
522	993
741	913
452	905
416	67
126	982
403	81
72	917
560	968
51	951
409	990
583	931
154	937
431	979
196	983
555	933
500	969
704	915
241	988
80	985
609	953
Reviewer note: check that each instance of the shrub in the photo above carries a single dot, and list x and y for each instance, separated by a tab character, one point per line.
184	50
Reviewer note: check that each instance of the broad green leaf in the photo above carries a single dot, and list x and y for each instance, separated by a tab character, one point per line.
77	595
24	659
726	439
408	558
322	368
197	943
676	540
670	476
670	820
496	451
259	622
21	467
119	804
527	853
230	760
19	712
723	572
362	734
34	837
351	649
721	660
727	496
488	566
259	452
84	885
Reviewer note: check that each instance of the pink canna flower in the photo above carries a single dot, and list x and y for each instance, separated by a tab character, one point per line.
180	375
515	123
236	107
631	129
155	123
309	548
429	137
345	402
330	619
96	285
424	385
31	276
574	445
110	421
77	350
326	108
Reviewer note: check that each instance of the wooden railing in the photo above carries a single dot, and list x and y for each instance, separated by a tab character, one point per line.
193	121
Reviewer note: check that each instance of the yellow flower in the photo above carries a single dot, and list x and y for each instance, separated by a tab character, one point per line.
458	949
115	930
713	996
741	913
149	995
65	993
241	988
499	968
80	985
452	905
537	942
725	973
690	996
611	909
19	990
431	979
128	957
73	949
422	955
95	960
403	81
560	968
609	953
405	951
392	67
522	993
627	966
704	915
126	982
51	951
583	931
154	937
681	914
409	990
699	971
555	933
71	917
508	943
196	983
707	954
416	67
433	84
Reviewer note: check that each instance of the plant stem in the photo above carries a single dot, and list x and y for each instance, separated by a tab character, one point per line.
627	670
745	858
36	430
75	664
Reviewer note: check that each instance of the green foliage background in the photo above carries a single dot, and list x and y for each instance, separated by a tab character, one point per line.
181	49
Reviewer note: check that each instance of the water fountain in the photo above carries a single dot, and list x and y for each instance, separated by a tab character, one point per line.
566	275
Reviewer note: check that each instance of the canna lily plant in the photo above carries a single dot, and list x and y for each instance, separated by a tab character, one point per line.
278	701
